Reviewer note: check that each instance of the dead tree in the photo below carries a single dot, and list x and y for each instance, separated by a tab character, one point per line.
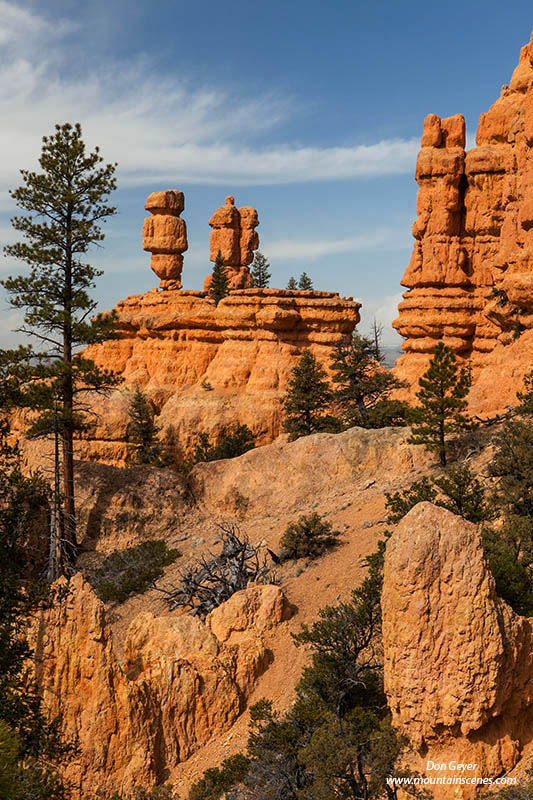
212	580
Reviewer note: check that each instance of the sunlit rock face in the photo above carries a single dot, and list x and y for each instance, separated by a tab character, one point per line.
470	278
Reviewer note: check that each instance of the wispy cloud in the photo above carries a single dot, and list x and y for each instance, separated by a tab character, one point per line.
157	127
313	249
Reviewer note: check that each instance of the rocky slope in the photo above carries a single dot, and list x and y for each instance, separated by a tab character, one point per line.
155	695
470	278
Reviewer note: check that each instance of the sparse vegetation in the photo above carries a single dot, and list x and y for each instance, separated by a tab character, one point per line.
309	537
131	571
213	579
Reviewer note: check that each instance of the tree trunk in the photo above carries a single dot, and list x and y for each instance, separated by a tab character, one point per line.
70	545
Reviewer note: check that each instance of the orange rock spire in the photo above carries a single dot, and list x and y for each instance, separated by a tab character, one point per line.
234	235
165	236
474	235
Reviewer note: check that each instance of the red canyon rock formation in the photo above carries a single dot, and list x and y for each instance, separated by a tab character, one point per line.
458	660
165	236
470	278
235	237
180	683
205	366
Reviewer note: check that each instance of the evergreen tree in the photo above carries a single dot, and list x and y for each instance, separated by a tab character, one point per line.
219	280
292	285
304	282
526	396
442	396
260	274
66	201
142	429
307	395
363	383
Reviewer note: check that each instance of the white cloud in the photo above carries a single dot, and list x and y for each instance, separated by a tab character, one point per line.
158	128
313	249
384	310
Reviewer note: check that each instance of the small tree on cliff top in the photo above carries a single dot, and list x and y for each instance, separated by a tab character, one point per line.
442	396
219	280
260	274
67	201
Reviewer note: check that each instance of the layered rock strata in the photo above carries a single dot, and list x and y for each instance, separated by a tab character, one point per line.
235	238
470	278
458	660
207	367
165	236
180	683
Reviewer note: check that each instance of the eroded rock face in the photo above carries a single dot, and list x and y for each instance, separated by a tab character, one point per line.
205	366
474	235
165	236
234	235
181	682
458	660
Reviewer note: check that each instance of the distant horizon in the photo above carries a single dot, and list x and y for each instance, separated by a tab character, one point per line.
313	118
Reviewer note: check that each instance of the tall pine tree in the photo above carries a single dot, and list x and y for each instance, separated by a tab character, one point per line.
442	396
67	202
143	432
307	397
219	280
260	274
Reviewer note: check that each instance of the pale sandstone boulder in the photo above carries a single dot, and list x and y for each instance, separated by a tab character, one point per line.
177	686
458	660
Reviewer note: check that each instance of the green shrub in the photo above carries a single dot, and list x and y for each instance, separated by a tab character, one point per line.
230	444
214	782
309	537
399	503
131	571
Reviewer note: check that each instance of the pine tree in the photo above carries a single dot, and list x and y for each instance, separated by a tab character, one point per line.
219	280
305	283
66	201
363	383
143	432
260	274
307	395
292	285
442	396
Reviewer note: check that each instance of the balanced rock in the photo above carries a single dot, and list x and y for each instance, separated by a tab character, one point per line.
165	236
458	660
235	237
470	278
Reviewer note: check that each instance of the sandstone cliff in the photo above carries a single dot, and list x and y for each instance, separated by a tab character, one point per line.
470	278
458	660
207	366
180	682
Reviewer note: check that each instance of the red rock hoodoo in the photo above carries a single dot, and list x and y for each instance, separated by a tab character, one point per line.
235	237
470	278
165	236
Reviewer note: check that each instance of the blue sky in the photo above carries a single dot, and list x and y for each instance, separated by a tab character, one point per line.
311	112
